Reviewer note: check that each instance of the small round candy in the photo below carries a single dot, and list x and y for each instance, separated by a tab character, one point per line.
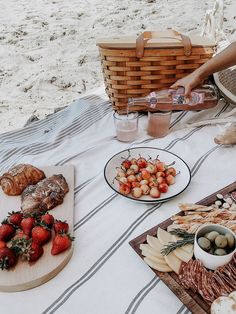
229	200
220	252
233	196
219	196
226	205
212	235
221	241
232	207
218	203
230	240
204	243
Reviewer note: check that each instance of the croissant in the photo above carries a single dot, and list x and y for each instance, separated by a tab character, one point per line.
44	195
19	177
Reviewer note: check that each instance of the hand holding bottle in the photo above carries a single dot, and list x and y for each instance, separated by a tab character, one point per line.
219	62
188	82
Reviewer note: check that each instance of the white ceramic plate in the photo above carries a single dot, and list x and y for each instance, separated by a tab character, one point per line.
182	179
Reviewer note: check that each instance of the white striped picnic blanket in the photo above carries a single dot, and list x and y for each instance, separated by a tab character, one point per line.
105	276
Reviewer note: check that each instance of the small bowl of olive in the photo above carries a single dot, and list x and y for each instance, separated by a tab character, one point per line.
214	245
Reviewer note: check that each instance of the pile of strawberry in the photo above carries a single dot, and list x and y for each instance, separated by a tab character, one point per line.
145	177
23	237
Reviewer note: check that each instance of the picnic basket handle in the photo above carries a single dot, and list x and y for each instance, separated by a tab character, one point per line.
143	38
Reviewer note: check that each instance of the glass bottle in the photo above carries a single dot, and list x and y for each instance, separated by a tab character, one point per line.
170	99
160	104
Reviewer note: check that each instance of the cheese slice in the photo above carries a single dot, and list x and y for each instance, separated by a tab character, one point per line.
187	248
182	254
157	266
172	227
154	258
152	251
173	262
154	243
164	236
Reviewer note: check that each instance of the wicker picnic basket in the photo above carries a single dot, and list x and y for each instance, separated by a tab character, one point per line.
134	67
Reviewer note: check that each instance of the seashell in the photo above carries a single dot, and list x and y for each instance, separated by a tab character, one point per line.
228	137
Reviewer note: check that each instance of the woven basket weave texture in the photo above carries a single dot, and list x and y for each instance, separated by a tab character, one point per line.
127	76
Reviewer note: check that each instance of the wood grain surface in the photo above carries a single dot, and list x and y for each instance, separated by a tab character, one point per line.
24	276
193	301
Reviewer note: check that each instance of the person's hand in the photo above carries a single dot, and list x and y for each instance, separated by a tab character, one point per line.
188	82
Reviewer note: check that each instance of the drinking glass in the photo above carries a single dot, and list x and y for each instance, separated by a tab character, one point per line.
126	126
158	123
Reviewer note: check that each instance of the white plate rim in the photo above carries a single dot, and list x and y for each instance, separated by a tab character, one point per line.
154	200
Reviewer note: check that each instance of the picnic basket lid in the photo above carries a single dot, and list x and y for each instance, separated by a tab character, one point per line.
161	39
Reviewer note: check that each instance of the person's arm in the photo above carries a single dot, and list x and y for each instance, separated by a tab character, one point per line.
221	61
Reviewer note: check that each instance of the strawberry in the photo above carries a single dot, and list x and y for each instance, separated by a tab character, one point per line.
7	258
2	244
6	231
26	249
47	219
61	242
40	234
27	225
20	235
61	226
15	218
36	252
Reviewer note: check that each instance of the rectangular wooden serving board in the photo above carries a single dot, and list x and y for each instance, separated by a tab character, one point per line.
193	301
24	276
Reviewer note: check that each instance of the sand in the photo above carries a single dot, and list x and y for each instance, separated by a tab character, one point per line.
48	48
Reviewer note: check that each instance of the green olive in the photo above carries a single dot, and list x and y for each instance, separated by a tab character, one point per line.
212	235
221	241
220	252
204	243
230	240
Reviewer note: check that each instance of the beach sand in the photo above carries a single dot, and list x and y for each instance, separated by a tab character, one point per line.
48	48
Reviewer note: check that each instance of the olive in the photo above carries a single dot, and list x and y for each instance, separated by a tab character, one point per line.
230	240
221	241
220	252
212	235
204	243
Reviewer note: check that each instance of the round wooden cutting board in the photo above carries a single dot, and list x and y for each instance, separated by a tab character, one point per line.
24	275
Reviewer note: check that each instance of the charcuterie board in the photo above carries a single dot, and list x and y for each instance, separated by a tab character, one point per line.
26	276
194	302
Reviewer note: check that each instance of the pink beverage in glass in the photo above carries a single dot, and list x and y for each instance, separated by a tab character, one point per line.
126	126
158	123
